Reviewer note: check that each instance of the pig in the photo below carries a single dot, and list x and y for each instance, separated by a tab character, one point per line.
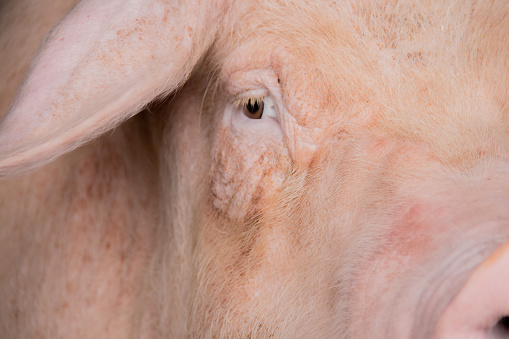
254	169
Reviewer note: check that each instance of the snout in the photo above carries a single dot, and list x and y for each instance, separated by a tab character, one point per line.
481	308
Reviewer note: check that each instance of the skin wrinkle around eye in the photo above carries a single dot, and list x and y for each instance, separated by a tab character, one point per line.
242	176
241	181
301	138
250	163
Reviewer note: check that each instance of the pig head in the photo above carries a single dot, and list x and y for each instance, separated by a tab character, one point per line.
259	169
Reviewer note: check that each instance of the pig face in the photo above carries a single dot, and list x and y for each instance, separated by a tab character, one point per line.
362	198
328	169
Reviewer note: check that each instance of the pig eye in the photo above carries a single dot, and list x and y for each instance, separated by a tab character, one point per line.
256	107
253	108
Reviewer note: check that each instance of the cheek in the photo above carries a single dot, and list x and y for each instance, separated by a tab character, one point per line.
412	235
245	172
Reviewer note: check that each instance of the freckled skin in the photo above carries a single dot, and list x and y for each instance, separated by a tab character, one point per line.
14	16
360	211
371	160
67	274
242	182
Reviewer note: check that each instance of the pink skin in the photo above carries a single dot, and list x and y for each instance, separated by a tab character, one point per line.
437	248
477	311
99	66
371	202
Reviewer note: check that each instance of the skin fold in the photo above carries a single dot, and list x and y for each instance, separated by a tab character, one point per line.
139	197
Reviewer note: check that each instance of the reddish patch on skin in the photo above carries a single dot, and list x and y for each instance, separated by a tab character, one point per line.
412	235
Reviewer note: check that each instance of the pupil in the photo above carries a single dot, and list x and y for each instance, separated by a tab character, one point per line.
252	106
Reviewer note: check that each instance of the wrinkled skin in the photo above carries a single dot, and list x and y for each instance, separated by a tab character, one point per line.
369	201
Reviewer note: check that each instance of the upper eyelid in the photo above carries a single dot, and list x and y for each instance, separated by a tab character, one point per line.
240	82
239	102
257	94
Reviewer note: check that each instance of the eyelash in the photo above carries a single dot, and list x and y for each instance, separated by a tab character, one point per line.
243	101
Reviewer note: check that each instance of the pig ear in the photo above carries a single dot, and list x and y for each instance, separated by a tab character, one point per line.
100	66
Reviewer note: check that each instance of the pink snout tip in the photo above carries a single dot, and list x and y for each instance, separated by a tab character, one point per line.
481	308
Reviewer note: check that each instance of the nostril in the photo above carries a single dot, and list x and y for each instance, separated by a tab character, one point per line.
501	329
504	322
481	308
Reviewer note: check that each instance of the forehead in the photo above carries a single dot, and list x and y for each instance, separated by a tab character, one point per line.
421	70
415	30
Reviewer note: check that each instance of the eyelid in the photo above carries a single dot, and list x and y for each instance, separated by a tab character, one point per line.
256	95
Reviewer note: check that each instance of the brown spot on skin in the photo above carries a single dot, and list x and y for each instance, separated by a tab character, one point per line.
87	258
